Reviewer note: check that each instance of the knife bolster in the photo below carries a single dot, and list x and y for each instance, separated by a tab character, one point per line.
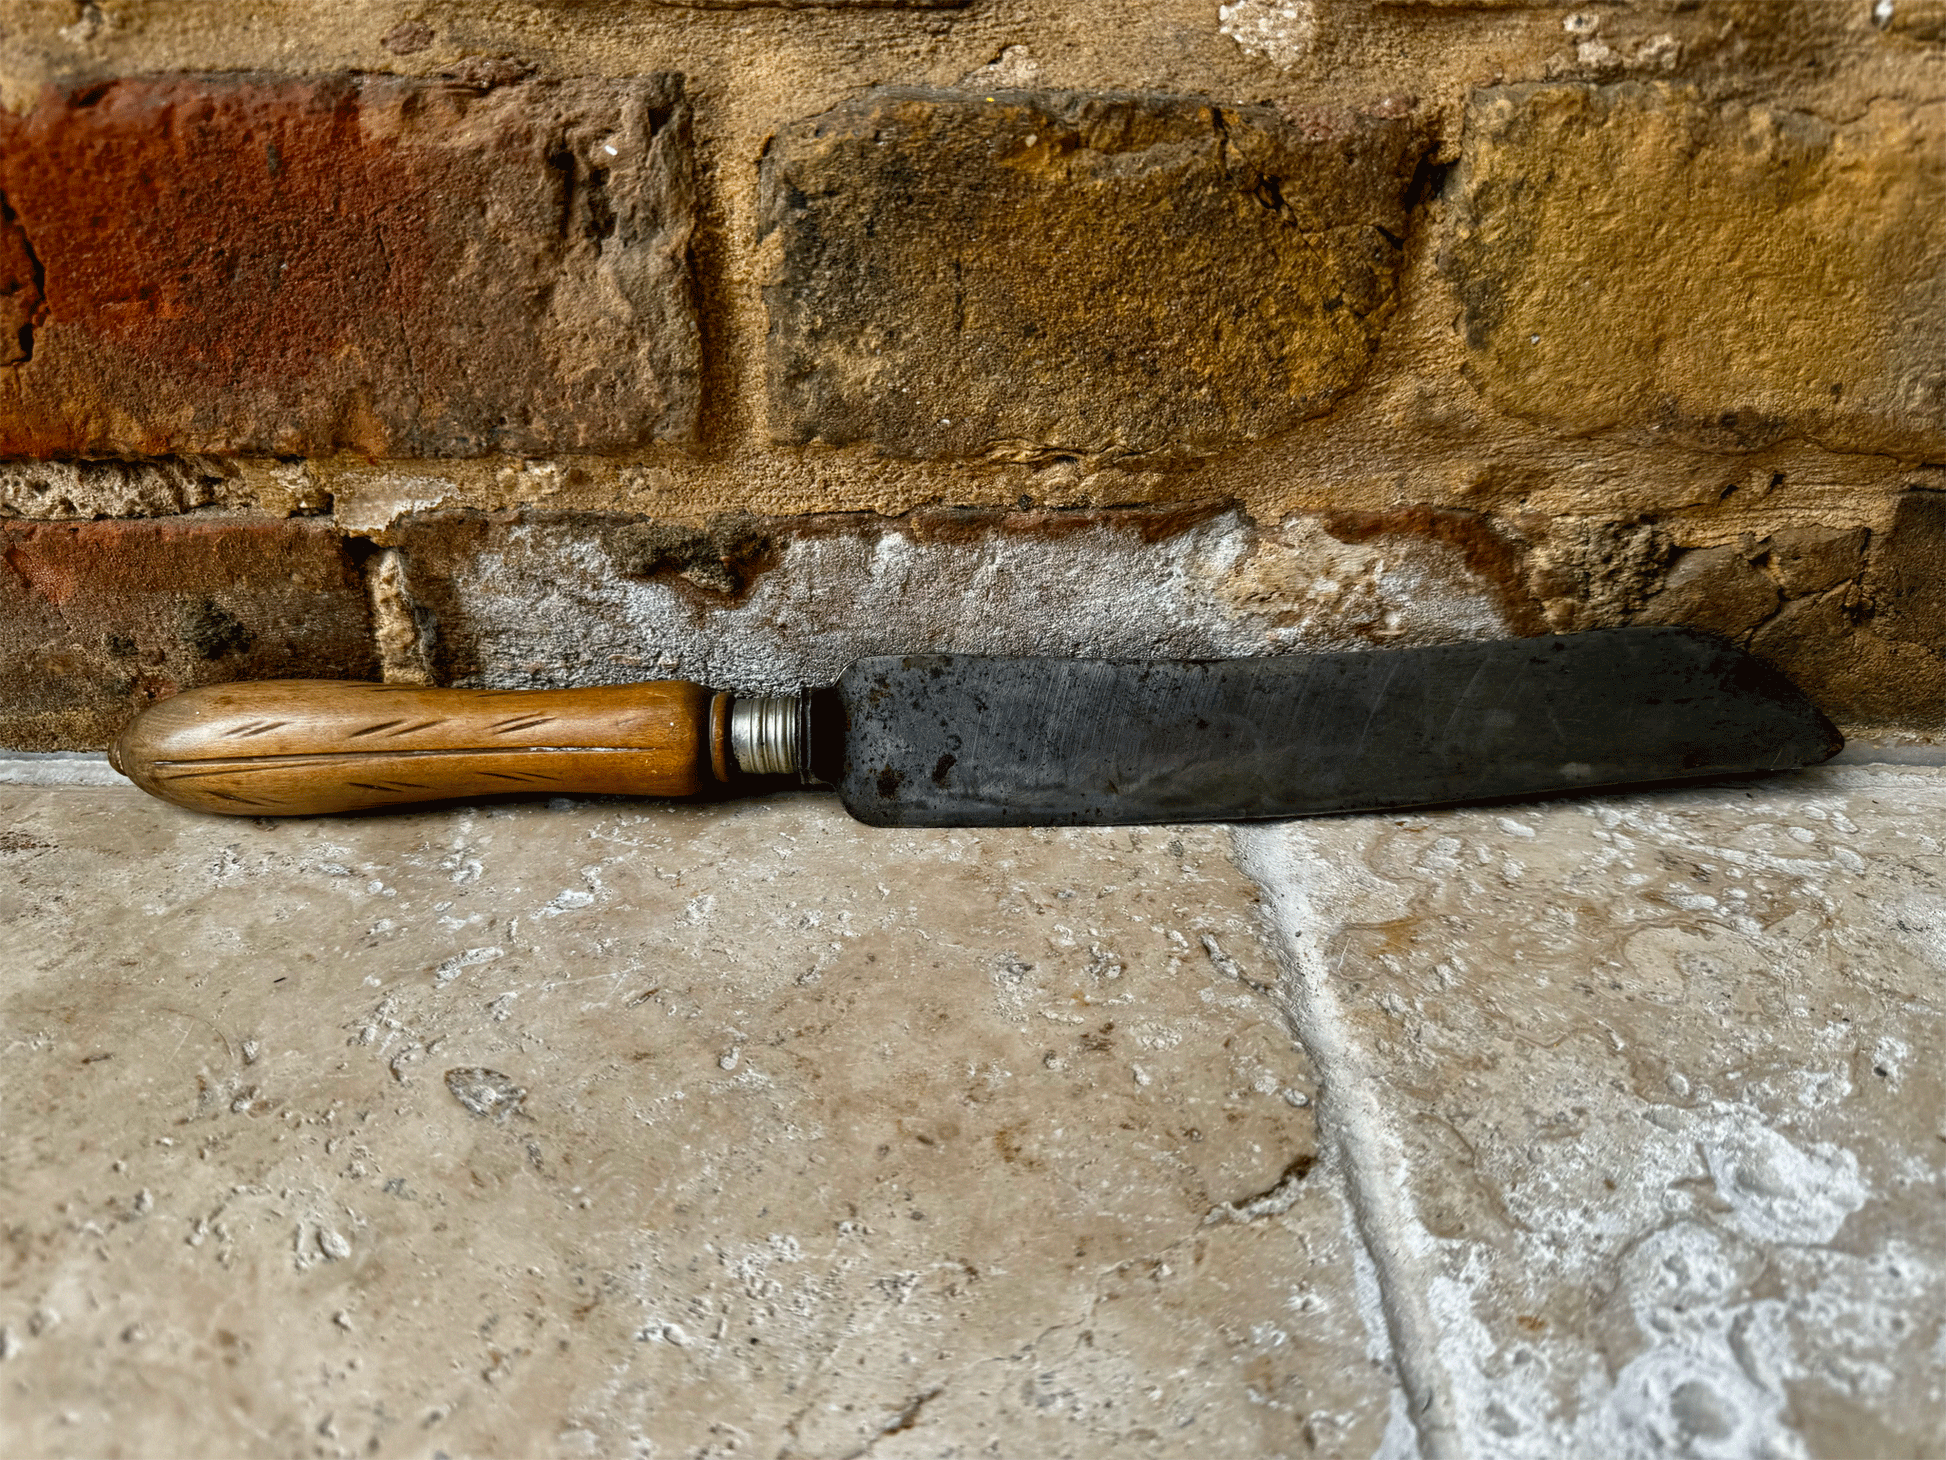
767	734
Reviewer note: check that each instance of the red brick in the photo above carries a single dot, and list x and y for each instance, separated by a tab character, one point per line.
391	266
22	306
98	619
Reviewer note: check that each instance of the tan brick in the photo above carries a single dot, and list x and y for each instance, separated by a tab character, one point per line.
1810	559
1868	646
1718	589
1032	274
381	265
1866	683
1723	275
1905	580
98	619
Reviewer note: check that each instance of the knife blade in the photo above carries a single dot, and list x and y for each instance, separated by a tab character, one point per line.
965	740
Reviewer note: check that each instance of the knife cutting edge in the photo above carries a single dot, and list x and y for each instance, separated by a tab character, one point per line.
964	740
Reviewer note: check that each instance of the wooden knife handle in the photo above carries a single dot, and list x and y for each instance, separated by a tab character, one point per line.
295	747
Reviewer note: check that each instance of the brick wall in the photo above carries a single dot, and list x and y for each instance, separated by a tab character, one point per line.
544	342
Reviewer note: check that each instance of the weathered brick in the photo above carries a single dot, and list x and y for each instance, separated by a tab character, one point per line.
22	305
1716	588
98	619
1810	559
1864	681
534	598
374	264
1905	577
1029	274
1718	274
1871	652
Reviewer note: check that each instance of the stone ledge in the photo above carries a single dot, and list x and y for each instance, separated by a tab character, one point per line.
1649	1131
477	1129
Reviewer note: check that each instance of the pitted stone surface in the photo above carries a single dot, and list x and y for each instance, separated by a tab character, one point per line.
955	277
630	1128
1651	1113
375	264
1594	228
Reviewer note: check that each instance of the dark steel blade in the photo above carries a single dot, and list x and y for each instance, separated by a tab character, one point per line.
955	740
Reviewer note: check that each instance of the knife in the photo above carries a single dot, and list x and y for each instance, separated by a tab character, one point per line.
963	740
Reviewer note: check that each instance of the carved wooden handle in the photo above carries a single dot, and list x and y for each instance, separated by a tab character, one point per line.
295	747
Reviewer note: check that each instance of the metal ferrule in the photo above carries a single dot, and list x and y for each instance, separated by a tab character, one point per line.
766	735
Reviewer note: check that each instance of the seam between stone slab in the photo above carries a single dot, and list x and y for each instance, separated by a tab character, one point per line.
1352	1118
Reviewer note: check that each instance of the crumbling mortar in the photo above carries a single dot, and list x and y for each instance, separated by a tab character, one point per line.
402	628
685	544
633	481
96	488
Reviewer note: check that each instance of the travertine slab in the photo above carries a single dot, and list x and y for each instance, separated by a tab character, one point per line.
633	1129
1649	1116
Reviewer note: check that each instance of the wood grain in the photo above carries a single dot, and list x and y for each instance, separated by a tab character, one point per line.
299	747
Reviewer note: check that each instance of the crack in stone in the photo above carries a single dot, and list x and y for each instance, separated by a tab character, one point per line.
1272	1201
905	1419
